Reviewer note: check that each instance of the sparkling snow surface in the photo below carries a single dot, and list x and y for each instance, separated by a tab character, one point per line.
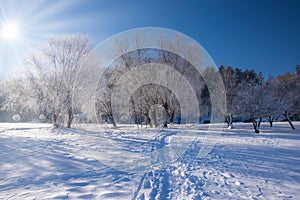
96	162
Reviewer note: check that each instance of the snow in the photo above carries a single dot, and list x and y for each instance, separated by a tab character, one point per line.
97	162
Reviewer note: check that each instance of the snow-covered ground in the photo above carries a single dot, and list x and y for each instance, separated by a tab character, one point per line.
96	162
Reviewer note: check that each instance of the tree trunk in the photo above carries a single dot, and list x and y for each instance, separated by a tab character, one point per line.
70	111
113	122
228	119
136	120
54	120
154	117
255	124
165	125
260	119
164	118
148	120
271	120
140	119
285	114
171	116
70	118
98	116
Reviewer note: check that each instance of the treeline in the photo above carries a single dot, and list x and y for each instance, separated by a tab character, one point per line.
47	87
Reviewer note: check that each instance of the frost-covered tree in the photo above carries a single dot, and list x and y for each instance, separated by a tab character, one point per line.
230	80
243	95
289	90
154	103
184	65
274	103
103	105
244	99
148	96
247	102
52	72
17	96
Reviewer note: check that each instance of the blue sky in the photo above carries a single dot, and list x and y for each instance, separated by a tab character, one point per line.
259	34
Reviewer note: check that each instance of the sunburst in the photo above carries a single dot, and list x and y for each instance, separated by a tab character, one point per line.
10	31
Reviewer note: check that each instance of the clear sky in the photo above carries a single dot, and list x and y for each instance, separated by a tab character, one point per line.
259	34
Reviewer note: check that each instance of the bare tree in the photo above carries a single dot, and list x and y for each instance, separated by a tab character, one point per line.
110	77
53	69
150	95
289	90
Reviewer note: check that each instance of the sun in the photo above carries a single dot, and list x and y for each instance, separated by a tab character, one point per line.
10	31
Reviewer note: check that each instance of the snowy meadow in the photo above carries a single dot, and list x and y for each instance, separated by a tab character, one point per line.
40	162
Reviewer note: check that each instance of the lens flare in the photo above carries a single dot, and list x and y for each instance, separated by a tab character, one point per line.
10	31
